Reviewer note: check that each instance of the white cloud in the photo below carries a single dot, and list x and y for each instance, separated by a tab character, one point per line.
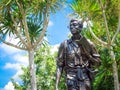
9	86
18	57
13	66
9	50
50	23
21	59
17	67
16	76
54	48
12	39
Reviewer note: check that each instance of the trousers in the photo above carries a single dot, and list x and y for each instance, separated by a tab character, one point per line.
77	79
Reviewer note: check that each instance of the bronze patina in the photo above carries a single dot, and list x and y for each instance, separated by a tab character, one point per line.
76	57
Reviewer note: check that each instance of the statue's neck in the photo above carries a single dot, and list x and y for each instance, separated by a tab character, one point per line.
76	37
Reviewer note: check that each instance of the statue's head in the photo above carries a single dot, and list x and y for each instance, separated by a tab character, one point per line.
76	26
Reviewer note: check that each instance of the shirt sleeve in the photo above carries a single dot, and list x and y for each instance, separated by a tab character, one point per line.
95	55
61	55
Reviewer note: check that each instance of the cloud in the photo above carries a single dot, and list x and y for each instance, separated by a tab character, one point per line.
50	23
21	59
16	76
17	67
13	66
9	86
54	48
18	56
12	39
9	50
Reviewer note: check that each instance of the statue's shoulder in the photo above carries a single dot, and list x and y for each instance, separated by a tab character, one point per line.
65	43
90	42
87	44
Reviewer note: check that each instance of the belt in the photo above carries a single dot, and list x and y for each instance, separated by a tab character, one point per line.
79	71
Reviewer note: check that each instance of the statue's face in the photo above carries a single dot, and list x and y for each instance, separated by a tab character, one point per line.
75	26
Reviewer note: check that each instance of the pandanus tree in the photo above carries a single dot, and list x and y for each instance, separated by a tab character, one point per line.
26	20
103	21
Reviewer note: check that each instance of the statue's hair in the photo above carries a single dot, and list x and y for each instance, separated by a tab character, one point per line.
80	22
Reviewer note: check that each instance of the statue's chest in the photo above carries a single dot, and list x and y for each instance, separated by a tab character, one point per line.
73	49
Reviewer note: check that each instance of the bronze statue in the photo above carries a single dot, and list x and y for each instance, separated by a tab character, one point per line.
77	57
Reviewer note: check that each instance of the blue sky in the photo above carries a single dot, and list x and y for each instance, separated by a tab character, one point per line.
11	58
59	30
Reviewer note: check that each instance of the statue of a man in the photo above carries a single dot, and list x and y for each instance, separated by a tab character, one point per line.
76	57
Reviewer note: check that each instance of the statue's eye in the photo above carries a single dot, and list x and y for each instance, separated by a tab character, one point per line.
80	26
75	24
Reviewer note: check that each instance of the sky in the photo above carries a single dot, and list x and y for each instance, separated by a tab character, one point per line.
11	59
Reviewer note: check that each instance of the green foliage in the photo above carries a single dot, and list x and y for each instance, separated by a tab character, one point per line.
26	83
91	10
104	79
45	71
117	53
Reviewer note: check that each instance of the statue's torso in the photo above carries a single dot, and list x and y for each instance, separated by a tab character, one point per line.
75	55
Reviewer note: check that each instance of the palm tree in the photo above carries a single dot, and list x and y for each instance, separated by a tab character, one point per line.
28	21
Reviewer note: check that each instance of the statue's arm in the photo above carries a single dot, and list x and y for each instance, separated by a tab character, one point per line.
58	76
95	56
60	64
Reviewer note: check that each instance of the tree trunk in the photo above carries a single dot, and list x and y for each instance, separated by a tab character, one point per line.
32	70
115	70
